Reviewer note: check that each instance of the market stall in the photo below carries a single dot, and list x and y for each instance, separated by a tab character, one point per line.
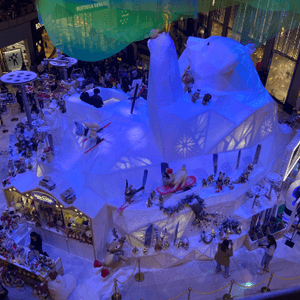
20	265
67	223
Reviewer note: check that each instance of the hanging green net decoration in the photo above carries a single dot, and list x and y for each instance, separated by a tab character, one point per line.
93	30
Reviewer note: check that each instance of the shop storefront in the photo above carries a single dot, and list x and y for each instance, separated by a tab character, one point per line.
285	54
16	47
41	40
67	227
13	57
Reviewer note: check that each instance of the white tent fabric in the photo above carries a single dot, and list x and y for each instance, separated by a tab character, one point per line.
169	127
240	114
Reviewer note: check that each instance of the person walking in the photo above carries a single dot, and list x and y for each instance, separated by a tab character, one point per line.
125	84
134	73
96	71
91	79
39	100
129	78
107	77
269	252
102	82
223	255
20	100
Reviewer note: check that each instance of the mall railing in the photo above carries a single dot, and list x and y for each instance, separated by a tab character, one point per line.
285	294
280	295
16	14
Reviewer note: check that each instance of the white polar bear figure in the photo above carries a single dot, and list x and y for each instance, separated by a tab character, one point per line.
241	113
181	176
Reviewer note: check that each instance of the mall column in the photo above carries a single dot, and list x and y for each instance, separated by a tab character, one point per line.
294	88
20	78
25	100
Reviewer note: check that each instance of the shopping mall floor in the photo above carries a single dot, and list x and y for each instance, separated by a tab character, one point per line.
168	283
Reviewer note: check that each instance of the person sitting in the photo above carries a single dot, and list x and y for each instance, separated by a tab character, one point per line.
85	97
96	100
36	242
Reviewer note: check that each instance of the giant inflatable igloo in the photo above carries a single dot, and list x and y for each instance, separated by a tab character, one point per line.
241	113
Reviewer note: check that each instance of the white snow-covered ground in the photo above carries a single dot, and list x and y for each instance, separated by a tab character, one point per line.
170	282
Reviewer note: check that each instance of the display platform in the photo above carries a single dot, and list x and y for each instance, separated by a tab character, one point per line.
230	142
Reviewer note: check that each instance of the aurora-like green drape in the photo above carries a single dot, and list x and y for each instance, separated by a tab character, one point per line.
93	30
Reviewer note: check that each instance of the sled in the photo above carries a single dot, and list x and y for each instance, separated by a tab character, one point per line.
164	190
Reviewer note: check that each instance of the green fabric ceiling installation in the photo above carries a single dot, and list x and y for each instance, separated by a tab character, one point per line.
93	30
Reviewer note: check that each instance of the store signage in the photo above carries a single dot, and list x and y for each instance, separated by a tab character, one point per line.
13	59
90	6
42	197
38	26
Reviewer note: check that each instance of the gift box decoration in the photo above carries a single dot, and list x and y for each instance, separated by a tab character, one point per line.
68	196
44	181
50	185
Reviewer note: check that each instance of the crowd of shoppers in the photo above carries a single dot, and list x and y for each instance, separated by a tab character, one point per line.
114	72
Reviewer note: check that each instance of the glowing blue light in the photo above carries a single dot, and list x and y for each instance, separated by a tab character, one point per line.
296	193
248	284
284	218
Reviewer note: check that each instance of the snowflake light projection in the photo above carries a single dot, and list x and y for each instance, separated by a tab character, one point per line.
185	145
266	128
131	162
199	127
237	139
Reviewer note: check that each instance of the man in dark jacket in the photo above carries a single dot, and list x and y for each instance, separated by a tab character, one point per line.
20	100
96	100
85	97
36	242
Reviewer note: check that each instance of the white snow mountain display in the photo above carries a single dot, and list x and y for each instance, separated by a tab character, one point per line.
241	113
169	127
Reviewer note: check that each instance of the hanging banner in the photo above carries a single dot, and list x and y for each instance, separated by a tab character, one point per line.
13	59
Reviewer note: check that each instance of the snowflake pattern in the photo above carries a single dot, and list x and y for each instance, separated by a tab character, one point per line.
185	145
199	127
131	162
266	128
